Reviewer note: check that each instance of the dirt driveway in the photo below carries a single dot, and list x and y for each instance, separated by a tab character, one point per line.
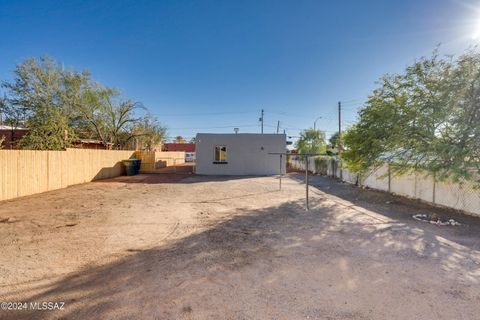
158	247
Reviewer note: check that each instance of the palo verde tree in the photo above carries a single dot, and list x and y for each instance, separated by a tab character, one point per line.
117	122
60	106
179	139
426	118
108	117
148	133
311	141
43	97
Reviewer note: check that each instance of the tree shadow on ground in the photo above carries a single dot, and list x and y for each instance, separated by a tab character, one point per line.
400	208
186	178
240	267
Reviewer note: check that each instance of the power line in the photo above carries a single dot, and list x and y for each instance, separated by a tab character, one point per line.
353	101
352	107
287	114
217	127
196	114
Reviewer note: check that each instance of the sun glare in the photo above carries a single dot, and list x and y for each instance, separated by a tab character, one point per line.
476	31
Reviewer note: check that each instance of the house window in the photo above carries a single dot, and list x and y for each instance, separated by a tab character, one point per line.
220	154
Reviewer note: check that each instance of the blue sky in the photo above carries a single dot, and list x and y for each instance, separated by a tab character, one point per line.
210	66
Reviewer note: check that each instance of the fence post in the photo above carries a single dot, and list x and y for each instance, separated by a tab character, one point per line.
415	191
434	187
280	183
389	178
340	165
332	167
306	182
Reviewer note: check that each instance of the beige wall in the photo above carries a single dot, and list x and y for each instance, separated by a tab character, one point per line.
26	172
152	160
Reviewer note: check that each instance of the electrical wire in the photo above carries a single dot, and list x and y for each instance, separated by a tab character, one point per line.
196	114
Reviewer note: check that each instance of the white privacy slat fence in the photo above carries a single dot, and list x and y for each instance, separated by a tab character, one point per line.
460	196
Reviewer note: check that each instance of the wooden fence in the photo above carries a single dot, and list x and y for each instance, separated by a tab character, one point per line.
26	172
152	160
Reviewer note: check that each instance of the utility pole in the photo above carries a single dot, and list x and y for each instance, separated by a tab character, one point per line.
261	120
315	123
339	125
306	183
278	125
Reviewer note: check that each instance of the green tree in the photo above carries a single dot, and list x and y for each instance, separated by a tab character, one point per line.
11	115
180	139
334	140
108	117
60	106
42	97
149	133
426	118
311	141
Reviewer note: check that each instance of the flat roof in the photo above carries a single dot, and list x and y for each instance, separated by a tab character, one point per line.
243	134
10	128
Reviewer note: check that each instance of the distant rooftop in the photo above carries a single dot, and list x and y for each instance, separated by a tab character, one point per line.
243	133
2	127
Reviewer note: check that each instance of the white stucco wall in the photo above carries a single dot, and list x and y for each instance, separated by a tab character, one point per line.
247	154
377	179
424	189
457	195
404	185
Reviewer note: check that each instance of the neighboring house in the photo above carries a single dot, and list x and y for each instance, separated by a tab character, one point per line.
89	144
11	136
240	154
187	147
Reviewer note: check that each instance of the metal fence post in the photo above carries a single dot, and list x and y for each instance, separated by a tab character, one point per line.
281	173
415	186
340	164
389	178
306	183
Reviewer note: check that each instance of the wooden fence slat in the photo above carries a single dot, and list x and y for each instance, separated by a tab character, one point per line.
26	172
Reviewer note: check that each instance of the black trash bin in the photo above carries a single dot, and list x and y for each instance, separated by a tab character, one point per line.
129	167
138	162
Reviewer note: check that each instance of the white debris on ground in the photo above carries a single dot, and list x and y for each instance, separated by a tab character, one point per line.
433	219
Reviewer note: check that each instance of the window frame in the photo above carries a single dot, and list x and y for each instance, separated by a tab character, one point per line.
219	161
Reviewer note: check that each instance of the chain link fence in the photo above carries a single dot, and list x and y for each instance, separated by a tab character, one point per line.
462	195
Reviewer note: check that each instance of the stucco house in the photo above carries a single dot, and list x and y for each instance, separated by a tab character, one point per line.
240	154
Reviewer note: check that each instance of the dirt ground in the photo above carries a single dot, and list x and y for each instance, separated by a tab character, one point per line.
196	247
